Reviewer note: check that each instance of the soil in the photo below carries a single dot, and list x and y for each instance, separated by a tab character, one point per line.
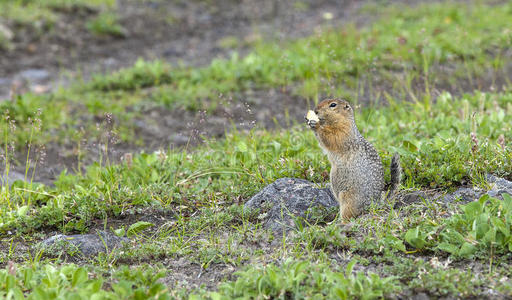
188	32
185	32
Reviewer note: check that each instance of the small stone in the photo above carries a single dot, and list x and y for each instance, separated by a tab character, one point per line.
40	89
464	194
85	244
410	198
34	75
4	81
5	32
180	139
288	198
12	177
420	296
499	186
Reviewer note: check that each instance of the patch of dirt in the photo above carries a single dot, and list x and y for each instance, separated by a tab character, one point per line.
183	273
21	246
188	32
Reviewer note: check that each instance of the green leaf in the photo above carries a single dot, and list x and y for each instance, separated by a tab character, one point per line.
481	225
490	236
350	267
242	147
412	236
398	244
138	227
28	274
473	209
154	175
507	203
10	282
79	277
120	232
340	293
15	293
467	249
452	236
277	146
409	145
484	199
447	247
500	225
214	296
22	210
95	285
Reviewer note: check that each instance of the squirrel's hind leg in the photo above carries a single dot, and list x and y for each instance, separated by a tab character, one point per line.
348	205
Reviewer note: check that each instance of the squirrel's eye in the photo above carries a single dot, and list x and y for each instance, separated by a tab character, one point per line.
332	104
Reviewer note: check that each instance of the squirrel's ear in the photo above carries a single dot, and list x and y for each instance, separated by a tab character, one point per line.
347	106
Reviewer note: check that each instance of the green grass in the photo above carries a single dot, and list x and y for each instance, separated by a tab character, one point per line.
73	282
42	13
303	280
106	24
393	59
200	187
433	139
339	60
26	13
201	243
483	228
39	17
306	280
5	42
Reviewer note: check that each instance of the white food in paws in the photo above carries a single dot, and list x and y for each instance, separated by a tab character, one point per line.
311	116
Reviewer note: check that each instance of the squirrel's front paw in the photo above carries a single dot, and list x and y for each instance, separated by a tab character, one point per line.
311	119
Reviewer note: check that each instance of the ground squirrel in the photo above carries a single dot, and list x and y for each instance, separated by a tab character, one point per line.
357	175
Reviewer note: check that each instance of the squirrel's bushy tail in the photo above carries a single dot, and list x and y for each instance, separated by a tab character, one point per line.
396	174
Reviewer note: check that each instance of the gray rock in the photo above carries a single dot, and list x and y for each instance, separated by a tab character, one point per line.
464	194
288	198
499	186
5	81
84	244
16	176
180	139
420	296
34	75
410	198
12	177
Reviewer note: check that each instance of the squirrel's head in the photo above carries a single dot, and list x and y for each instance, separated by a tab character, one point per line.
333	123
334	114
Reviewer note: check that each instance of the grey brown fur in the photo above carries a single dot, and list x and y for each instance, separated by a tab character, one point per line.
357	175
